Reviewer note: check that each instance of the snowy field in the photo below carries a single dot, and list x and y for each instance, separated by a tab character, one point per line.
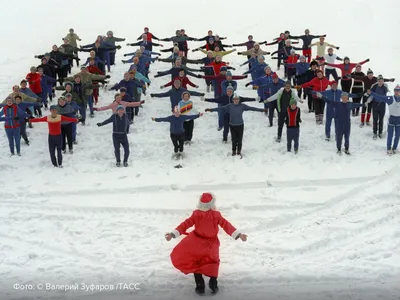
320	226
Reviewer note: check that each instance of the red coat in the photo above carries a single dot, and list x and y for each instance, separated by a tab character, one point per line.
34	82
185	81
317	85
292	60
346	69
199	251
216	66
94	70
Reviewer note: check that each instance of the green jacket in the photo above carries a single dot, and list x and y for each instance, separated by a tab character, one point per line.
75	98
72	38
86	80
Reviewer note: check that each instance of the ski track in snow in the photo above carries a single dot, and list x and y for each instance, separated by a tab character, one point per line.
320	226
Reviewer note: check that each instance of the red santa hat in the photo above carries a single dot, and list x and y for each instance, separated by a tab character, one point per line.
206	202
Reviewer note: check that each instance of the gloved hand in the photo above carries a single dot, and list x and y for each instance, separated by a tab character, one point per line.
99	124
207	109
161	87
199	76
107	76
319	95
247	84
142	102
151	95
337	48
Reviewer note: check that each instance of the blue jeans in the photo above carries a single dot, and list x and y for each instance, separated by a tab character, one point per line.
393	128
330	115
90	103
82	111
14	134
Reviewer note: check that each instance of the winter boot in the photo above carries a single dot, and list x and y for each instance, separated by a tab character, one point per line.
375	136
278	139
213	284
296	151
71	151
339	152
346	151
225	141
327	138
118	164
321	119
219	128
368	123
380	135
362	124
390	152
125	164
233	152
200	284
368	118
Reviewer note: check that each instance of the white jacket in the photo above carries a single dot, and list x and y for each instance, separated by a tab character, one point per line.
330	59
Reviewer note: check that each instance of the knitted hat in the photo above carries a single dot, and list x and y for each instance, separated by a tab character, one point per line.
275	76
53	107
123	89
229	73
23	81
380	77
302	57
185	92
346	57
69	83
292	51
292	101
119	107
288	83
236	96
313	63
223	69
110	32
261	57
344	94
68	95
230	88
267	67
370	71
47	54
397	88
133	67
33	69
83	67
206	202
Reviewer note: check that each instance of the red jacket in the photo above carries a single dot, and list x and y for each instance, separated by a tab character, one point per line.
34	82
292	60
184	82
216	66
199	251
346	68
149	36
94	70
318	85
54	123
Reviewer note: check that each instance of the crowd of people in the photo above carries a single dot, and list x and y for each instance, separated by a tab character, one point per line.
306	77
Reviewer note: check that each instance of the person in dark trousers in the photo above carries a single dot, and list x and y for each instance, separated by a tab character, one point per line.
149	38
357	88
281	41
223	101
304	77
343	122
292	120
333	95
177	130
22	120
186	108
283	98
66	110
55	136
307	40
368	81
236	123
378	107
394	119
120	122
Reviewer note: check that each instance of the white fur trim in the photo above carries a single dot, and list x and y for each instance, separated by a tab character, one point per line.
207	206
235	234
176	233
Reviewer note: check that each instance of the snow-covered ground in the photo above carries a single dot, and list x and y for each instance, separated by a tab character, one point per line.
320	226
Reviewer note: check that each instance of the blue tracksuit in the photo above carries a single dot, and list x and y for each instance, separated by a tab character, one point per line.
97	62
334	96
222	101
175	95
270	89
120	137
257	70
394	118
130	86
301	68
46	83
12	127
227	83
343	123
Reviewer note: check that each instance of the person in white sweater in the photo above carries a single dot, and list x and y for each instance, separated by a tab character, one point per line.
331	58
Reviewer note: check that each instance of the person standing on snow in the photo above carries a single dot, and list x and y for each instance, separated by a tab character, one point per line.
283	98
35	85
343	122
394	117
55	136
300	67
223	101
149	38
198	252
12	115
333	95
321	50
120	122
368	81
318	84
357	88
346	67
292	120
177	130
236	123
72	37
186	108
111	39
68	111
185	81
307	40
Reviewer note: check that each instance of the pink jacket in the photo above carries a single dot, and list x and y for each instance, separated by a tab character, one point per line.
115	104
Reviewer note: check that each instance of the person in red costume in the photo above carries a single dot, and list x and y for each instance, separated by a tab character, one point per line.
198	253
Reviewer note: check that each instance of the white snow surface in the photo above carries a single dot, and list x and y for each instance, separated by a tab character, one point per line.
320	226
